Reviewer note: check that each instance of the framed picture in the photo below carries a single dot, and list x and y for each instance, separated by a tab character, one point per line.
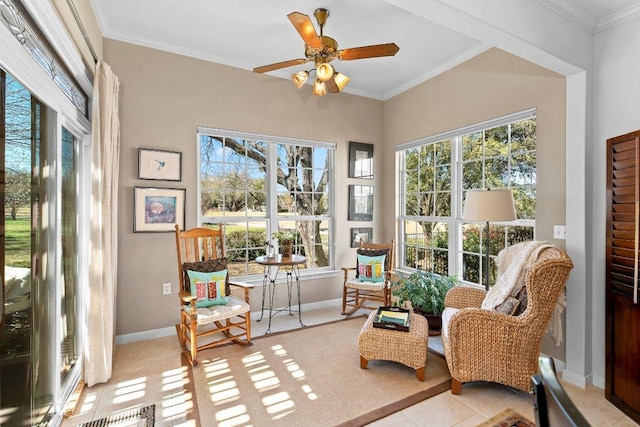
159	165
360	203
158	209
361	234
360	160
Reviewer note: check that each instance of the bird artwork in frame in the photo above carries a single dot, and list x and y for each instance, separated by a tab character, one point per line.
159	165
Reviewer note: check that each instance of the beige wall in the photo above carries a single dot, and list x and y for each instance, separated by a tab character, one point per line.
164	97
490	85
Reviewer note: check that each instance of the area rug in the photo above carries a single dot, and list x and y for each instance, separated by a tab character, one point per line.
141	417
508	418
307	377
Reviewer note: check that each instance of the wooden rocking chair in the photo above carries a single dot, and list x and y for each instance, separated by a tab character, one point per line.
357	292
202	250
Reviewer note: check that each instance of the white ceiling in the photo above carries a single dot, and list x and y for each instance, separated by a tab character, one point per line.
251	33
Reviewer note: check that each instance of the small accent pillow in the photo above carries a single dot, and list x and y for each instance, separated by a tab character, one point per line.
371	268
208	287
371	253
207	266
524	300
508	306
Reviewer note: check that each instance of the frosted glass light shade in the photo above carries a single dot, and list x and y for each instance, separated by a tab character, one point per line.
319	88
300	78
324	72
341	81
489	205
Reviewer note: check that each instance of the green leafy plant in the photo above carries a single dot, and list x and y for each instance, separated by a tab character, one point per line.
284	235
424	290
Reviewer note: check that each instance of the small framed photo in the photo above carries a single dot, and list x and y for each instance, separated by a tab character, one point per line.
360	160
159	165
361	234
158	209
360	203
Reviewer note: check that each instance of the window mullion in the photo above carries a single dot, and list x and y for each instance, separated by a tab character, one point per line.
272	187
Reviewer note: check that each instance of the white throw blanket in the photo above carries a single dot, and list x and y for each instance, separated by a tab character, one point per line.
515	258
511	265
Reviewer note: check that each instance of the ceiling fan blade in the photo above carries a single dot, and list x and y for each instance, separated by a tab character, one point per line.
373	51
278	65
305	28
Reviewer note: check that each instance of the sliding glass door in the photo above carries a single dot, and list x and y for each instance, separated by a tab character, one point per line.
39	334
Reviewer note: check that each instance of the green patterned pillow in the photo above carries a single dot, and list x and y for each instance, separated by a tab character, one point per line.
208	288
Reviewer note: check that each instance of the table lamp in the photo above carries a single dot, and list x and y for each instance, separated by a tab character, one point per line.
489	206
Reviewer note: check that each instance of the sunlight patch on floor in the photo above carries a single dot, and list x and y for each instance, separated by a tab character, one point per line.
216	368
278	403
127	391
88	403
234	416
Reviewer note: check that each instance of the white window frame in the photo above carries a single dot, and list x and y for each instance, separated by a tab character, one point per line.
271	217
454	222
15	60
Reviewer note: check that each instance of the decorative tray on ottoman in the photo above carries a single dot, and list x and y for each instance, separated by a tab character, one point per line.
394	318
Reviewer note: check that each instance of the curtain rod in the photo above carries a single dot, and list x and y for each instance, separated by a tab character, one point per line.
74	11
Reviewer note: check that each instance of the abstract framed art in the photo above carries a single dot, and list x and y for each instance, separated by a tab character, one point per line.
158	209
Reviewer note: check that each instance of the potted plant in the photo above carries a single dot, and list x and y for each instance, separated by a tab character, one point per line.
285	240
425	291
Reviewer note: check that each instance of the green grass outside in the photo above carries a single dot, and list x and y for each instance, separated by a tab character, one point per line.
18	242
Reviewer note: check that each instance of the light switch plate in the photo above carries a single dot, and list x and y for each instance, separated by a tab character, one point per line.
559	232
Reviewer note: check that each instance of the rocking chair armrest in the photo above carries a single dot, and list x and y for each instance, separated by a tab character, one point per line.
244	285
186	296
346	271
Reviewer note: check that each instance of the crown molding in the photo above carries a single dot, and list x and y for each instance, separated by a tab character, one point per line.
572	13
463	57
579	16
618	18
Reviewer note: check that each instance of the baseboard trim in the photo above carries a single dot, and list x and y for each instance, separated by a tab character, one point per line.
165	332
145	335
576	379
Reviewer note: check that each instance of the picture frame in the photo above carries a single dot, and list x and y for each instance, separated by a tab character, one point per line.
159	165
361	234
360	160
158	209
360	203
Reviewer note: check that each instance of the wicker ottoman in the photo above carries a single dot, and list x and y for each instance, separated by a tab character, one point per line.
408	348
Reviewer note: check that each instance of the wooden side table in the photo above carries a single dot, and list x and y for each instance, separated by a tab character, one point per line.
272	266
408	348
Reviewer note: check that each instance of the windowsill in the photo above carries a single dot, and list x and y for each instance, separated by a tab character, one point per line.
257	280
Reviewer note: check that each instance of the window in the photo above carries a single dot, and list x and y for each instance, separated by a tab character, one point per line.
254	185
436	173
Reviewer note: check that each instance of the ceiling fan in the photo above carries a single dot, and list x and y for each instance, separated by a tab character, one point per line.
321	50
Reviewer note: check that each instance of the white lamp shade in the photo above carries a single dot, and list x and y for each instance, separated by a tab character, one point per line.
489	205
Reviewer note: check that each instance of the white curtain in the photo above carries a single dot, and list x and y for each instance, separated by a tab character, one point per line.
105	148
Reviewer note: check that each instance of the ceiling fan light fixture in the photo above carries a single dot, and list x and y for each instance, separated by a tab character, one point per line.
324	71
300	78
319	88
341	81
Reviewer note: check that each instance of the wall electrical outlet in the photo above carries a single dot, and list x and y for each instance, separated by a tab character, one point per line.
166	288
559	232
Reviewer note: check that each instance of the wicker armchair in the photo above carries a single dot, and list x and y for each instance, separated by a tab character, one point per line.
484	345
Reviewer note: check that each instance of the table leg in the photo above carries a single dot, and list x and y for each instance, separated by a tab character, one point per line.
265	281
297	274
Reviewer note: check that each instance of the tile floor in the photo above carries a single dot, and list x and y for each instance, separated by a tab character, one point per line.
152	371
